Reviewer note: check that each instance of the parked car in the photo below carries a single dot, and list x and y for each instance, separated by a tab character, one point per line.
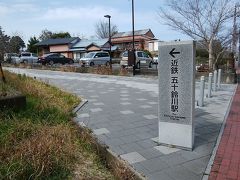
27	57
55	58
202	68
8	57
142	59
95	58
155	59
15	59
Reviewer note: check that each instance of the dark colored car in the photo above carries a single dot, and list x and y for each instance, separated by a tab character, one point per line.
54	59
203	68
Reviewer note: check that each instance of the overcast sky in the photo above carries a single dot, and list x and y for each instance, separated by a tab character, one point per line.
29	17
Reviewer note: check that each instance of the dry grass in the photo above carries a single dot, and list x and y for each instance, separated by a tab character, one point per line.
43	148
41	142
103	70
51	96
123	72
41	152
7	90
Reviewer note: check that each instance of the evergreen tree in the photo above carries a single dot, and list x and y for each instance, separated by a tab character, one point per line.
46	34
61	35
4	43
16	44
4	40
31	44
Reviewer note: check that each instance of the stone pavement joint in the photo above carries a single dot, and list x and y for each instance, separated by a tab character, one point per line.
127	112
133	157
166	150
83	115
150	116
100	131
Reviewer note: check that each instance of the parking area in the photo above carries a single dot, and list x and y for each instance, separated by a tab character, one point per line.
116	67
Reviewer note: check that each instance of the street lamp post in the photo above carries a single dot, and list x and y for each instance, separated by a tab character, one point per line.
109	40
238	45
133	40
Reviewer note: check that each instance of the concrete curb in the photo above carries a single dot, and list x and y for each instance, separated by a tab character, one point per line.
120	168
83	103
211	160
116	163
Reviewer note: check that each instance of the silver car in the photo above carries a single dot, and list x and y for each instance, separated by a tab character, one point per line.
95	58
9	57
26	57
142	59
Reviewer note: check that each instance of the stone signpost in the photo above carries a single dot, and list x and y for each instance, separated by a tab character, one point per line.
176	93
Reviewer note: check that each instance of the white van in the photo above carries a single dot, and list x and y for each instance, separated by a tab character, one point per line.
10	57
142	59
95	58
27	57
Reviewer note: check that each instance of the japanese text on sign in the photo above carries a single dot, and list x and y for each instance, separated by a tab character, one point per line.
174	85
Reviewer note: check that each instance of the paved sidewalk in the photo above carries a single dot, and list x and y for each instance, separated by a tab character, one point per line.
227	160
123	113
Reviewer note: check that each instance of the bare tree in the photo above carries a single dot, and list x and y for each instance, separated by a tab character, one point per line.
204	20
102	29
45	34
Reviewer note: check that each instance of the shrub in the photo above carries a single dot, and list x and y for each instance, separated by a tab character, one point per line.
148	53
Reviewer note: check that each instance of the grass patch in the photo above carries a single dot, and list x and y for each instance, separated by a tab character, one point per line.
7	90
40	141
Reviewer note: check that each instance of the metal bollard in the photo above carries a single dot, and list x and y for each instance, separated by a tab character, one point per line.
219	78
201	95
209	94
215	80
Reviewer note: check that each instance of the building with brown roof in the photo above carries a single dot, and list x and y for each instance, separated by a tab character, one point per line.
124	39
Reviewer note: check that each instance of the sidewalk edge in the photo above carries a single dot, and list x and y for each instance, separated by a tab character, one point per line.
78	107
113	161
211	160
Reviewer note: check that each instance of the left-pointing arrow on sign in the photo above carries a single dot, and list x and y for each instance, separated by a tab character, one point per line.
172	52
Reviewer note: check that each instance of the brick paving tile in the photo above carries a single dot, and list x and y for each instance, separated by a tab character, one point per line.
227	160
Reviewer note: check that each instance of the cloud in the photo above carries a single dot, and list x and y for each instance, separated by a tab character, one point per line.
81	13
3	10
24	7
80	18
16	8
24	1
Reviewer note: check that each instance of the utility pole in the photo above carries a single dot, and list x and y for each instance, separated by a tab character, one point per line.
234	36
239	46
133	39
109	38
